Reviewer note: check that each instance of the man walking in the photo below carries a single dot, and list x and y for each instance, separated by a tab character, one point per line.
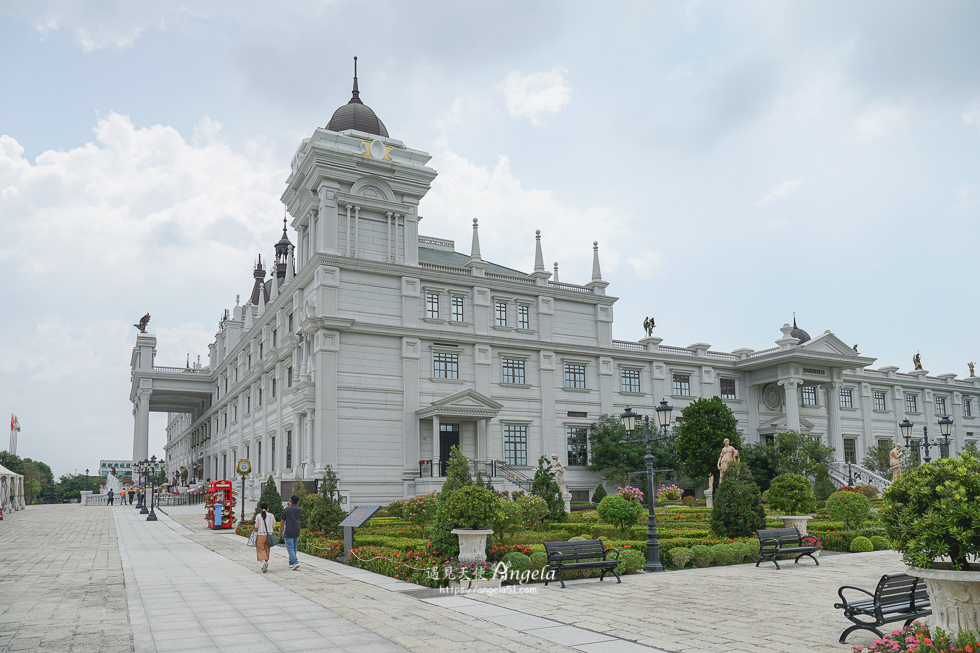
109	497
290	529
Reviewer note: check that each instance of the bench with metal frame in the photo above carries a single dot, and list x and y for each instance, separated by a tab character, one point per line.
785	541
898	597
580	555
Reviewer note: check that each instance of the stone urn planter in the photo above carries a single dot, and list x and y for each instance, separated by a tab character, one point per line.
472	543
955	598
799	521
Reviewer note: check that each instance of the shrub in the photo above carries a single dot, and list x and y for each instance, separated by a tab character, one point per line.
738	552
471	507
823	487
270	494
599	494
701	554
791	494
631	561
861	544
750	548
420	510
721	554
690	502
851	508
680	556
531	511
869	491
933	512
516	562
620	512
539	560
544	485
577	538
395	509
457	476
738	510
880	542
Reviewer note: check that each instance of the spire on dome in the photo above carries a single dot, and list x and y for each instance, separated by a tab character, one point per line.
282	251
258	289
355	96
356	115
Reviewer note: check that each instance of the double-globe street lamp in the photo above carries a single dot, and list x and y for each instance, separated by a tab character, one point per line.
650	436
153	467
945	426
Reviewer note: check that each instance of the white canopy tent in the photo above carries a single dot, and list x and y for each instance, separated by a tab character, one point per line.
11	490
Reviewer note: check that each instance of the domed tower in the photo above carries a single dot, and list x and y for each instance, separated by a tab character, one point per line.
353	191
799	333
282	253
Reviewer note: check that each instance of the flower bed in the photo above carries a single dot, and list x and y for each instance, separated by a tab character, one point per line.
917	637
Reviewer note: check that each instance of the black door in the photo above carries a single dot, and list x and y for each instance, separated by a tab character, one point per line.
448	438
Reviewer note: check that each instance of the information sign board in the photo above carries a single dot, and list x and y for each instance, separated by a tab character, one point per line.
359	516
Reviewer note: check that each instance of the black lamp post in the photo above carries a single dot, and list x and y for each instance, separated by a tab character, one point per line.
850	476
153	464
138	470
145	467
650	436
88	481
945	424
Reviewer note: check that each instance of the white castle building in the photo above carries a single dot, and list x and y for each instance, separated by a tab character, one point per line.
374	349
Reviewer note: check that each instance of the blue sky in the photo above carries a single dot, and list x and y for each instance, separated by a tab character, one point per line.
736	161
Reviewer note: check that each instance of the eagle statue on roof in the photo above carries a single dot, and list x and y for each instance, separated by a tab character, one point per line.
141	325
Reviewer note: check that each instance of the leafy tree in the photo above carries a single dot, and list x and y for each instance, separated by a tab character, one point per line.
47	477
800	454
738	510
823	486
852	508
970	449
270	494
701	434
620	512
760	458
792	494
70	486
12	461
545	486
457	477
877	459
611	451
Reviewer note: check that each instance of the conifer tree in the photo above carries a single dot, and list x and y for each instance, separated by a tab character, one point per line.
457	476
545	486
738	510
271	495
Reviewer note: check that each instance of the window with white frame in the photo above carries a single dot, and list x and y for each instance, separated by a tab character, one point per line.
911	404
846	398
850	450
445	365
289	322
967	407
515	444
681	385
513	370
629	380
879	400
577	438
289	449
941	406
275	337
500	313
809	395
457	308
289	376
523	316
273	392
432	305
728	388
574	375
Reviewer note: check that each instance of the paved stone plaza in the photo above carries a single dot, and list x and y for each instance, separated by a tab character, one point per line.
103	579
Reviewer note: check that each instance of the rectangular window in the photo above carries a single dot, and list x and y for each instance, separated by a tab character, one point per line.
272	453
911	404
289	449
846	398
432	305
234	413
629	381
445	366
512	370
275	337
578	445
681	385
258	461
289	377
225	413
259	402
226	384
574	375
289	322
728	389
224	466
515	444
967	407
941	406
850	450
809	395
261	349
250	361
879	400
523	317
248	403
500	313
457	309
273	394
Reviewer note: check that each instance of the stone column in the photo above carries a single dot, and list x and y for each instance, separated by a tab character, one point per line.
833	419
792	403
436	448
141	446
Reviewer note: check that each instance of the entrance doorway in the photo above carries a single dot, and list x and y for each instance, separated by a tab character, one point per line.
448	438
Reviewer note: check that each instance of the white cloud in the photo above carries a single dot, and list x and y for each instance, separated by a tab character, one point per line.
113	24
878	122
972	115
534	95
782	190
509	214
645	265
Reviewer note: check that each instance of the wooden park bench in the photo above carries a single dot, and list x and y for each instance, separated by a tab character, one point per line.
898	597
784	541
579	555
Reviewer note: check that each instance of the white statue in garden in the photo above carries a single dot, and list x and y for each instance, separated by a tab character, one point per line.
559	473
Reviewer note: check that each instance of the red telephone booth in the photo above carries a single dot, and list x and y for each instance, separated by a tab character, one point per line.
220	503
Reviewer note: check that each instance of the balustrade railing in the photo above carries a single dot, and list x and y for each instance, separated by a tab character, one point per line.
677	351
570	287
182	370
624	344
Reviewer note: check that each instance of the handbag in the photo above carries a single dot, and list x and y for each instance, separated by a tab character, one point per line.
271	540
251	538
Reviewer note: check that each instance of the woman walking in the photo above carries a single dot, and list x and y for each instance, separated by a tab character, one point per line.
265	525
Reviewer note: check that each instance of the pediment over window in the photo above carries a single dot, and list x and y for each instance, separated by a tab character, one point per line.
778	425
828	343
466	403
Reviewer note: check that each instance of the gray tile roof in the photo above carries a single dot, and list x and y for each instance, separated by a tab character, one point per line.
455	259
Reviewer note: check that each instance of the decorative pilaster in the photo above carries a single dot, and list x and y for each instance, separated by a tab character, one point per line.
792	403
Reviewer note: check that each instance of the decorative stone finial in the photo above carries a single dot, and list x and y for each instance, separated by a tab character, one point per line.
475	248
596	272
556	271
538	257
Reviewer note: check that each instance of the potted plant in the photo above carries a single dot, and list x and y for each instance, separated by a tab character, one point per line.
792	495
932	517
471	512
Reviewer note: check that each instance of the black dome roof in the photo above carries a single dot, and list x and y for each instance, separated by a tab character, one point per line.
799	333
357	115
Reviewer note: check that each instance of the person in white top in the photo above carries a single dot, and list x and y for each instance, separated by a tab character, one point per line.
265	524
